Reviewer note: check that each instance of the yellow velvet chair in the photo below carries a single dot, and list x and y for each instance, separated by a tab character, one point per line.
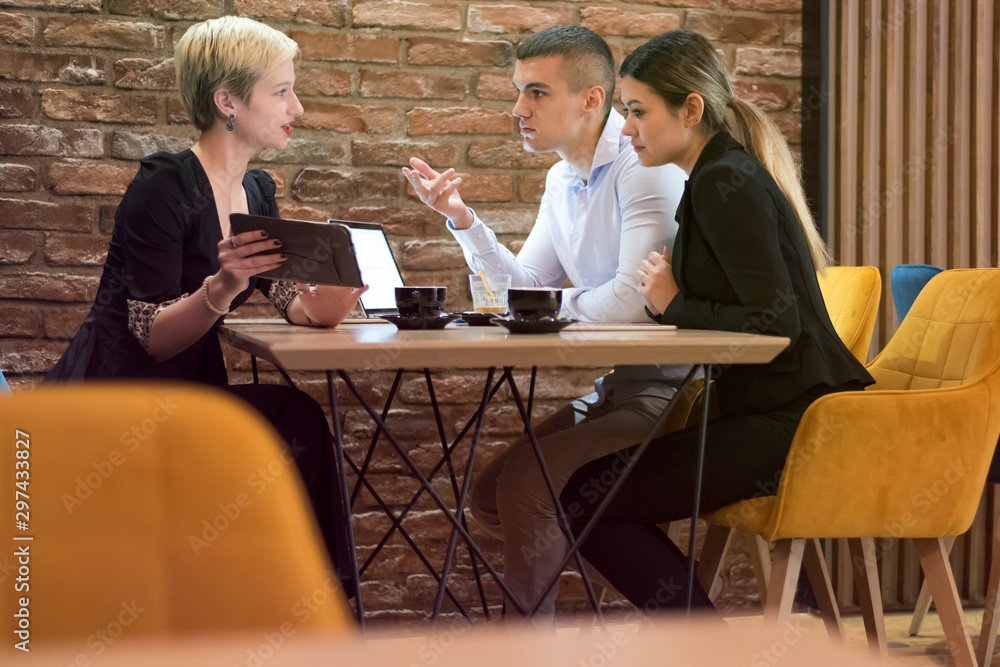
852	295
859	460
157	510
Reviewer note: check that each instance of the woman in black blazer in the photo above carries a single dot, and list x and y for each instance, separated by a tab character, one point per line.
745	259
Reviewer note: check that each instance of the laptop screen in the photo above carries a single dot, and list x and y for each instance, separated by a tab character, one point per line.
378	267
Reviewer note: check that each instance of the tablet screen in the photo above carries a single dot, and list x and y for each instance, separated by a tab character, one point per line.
378	267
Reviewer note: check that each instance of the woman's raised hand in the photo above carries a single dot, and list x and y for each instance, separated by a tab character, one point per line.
656	281
240	258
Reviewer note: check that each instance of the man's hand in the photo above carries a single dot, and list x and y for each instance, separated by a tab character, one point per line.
656	281
440	192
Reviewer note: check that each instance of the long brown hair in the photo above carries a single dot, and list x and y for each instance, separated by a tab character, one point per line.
680	62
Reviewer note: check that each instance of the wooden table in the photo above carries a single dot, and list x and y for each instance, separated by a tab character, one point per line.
359	347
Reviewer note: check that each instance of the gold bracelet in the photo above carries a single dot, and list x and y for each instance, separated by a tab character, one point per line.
208	302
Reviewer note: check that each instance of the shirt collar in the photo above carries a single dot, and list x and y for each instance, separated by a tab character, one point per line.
718	144
609	147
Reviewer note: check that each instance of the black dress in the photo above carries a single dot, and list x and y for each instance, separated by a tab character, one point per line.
742	264
164	244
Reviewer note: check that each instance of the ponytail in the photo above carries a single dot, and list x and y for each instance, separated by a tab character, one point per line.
764	141
680	62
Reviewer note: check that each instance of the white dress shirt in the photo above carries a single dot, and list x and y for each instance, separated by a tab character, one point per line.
595	234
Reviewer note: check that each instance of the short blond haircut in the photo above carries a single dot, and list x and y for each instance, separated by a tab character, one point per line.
230	53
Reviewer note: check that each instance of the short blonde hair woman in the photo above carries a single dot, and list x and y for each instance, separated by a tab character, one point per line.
174	269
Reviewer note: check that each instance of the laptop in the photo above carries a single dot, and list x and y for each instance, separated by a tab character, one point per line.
378	268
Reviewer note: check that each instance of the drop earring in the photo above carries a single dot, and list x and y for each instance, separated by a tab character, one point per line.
230	126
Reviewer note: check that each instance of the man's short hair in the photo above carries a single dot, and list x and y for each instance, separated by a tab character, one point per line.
587	60
230	53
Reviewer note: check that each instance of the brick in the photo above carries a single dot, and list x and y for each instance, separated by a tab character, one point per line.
17	103
31	214
790	125
321	79
458	120
737	29
95	32
99	107
136	145
48	287
347	117
177	10
324	12
17	178
767	96
75	250
22	356
411	85
90	178
438	51
305	151
368	153
16	247
16	29
176	112
482	187
41	140
48	67
279	180
496	86
432	254
793	32
19	320
57	5
769	62
351	48
315	185
669	3
509	154
617	21
515	18
63	321
530	188
106	218
395	220
509	220
765	5
294	211
407	14
145	74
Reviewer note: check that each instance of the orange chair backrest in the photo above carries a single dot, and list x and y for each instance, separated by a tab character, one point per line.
852	295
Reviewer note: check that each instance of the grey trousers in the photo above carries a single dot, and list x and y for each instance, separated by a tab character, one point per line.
512	502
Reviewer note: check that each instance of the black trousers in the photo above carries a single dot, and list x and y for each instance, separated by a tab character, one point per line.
744	456
301	423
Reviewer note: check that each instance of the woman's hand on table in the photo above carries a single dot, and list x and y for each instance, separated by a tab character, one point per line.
324	305
656	281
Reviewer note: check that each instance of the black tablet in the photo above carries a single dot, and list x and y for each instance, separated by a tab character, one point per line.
319	253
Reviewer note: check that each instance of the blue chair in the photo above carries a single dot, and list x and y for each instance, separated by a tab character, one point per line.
906	281
4	387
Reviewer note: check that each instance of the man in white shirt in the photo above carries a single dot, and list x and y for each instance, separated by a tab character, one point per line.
600	216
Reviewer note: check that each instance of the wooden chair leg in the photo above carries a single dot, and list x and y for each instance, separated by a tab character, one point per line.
674	530
760	558
991	611
924	599
713	552
865	562
819	578
785	567
937	571
588	622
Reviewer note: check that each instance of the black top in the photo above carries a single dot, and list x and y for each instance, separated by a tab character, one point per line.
742	264
163	246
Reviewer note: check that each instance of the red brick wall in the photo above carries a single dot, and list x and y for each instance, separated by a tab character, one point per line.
87	88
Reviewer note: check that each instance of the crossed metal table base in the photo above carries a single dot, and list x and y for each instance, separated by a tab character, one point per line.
457	516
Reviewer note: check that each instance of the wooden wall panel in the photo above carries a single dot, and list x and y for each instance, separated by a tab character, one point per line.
913	160
914	178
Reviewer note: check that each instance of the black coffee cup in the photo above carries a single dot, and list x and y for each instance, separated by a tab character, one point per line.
421	301
533	304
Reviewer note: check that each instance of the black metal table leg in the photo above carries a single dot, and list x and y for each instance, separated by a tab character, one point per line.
460	499
338	443
696	508
253	367
613	491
